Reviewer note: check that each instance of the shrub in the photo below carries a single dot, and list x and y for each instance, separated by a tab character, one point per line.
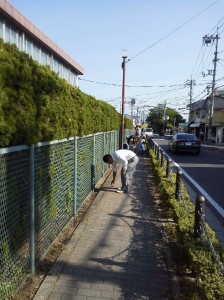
36	105
195	255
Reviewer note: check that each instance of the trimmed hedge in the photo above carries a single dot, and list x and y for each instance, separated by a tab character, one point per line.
36	105
194	255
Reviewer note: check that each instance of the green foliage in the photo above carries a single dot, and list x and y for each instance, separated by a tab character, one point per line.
6	289
194	254
156	114
36	105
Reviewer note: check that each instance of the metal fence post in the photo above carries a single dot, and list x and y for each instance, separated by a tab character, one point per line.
199	215
75	177
93	183
168	163
32	211
104	143
178	184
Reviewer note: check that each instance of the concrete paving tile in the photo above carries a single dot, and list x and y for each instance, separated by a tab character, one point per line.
44	292
55	296
62	282
102	287
65	290
89	293
116	252
110	295
73	297
78	284
70	276
104	274
67	270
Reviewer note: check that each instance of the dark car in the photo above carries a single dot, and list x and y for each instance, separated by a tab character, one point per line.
185	142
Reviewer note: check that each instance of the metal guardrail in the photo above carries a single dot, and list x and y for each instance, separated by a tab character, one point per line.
41	188
200	226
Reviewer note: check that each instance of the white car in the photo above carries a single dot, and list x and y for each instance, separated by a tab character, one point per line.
148	132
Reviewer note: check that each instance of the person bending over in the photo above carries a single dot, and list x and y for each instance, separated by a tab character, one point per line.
128	160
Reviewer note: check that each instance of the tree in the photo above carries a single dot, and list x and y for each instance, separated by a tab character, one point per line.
156	118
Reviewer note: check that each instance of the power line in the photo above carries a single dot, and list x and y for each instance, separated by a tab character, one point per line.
219	86
219	79
197	60
221	64
132	86
199	95
215	27
179	27
202	62
98	82
157	93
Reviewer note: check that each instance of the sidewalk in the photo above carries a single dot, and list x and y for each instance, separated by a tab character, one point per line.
118	251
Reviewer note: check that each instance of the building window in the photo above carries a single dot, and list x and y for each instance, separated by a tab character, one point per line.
29	46
7	34
36	53
10	34
198	113
1	28
13	35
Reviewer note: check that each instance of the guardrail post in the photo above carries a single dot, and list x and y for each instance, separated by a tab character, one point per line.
157	153
178	184
162	159
154	148
168	163
199	215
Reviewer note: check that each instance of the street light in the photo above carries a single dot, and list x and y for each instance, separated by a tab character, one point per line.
124	56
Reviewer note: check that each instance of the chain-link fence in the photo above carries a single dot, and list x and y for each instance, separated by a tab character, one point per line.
42	187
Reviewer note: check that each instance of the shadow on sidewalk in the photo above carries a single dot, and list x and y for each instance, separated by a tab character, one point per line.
118	252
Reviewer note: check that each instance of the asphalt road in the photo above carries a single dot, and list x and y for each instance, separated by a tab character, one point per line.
206	169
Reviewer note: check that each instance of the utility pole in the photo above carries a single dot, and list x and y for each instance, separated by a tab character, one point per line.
137	115
207	40
164	118
191	83
132	104
123	65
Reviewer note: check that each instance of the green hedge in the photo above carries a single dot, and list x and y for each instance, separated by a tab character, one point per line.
193	254
36	105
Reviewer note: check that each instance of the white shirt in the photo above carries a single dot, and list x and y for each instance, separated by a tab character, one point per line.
121	156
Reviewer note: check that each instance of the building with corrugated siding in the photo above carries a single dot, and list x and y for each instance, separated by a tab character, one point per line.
16	29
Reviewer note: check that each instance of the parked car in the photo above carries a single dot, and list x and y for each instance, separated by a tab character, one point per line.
185	142
148	132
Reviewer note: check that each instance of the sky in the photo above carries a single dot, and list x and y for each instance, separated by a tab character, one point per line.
163	39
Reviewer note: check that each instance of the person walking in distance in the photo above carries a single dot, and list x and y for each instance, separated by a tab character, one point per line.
128	160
